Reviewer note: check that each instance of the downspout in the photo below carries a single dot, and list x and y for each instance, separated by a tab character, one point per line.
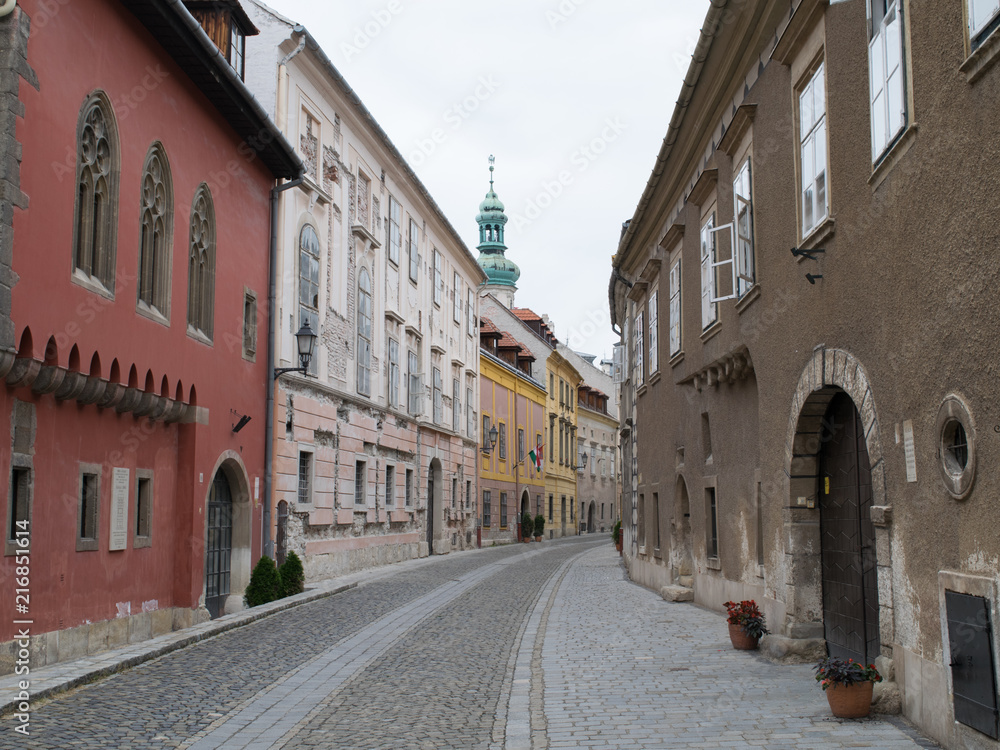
7	8
272	284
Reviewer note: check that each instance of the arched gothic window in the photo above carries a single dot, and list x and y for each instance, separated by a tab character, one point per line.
309	284
97	168
155	222
201	264
364	332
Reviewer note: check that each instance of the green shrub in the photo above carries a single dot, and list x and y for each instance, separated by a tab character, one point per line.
617	531
265	583
539	525
293	577
526	525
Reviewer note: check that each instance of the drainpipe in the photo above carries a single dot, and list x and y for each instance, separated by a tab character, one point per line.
7	8
281	114
273	322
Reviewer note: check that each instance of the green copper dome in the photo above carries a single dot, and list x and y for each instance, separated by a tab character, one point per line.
491	220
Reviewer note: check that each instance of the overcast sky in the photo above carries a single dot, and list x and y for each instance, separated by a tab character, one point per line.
573	97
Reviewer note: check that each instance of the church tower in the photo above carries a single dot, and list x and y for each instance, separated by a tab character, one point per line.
502	274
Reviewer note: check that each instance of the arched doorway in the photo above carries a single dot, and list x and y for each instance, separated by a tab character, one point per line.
435	487
562	517
681	547
592	517
847	536
219	546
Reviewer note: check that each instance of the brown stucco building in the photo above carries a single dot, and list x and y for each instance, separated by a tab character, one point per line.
815	429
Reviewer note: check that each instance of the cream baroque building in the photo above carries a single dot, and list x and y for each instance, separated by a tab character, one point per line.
375	447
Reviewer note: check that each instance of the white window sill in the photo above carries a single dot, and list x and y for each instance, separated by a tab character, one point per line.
152	313
982	58
713	563
677	358
654	377
893	156
92	283
198	335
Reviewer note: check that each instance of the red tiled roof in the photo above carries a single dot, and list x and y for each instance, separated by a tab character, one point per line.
508	342
486	326
523	313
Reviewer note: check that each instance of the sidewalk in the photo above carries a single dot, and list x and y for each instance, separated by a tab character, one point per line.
57	678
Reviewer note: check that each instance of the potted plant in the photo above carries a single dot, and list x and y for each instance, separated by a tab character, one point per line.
746	624
616	534
527	524
539	527
848	685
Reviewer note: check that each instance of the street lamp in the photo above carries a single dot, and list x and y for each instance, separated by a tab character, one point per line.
305	341
492	436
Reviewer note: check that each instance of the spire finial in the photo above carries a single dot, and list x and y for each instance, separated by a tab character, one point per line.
492	162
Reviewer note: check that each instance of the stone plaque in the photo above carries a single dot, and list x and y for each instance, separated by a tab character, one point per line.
119	509
911	456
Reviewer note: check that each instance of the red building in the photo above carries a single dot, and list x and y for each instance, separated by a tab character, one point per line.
129	339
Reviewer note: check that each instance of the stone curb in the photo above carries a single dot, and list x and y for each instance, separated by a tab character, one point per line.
58	678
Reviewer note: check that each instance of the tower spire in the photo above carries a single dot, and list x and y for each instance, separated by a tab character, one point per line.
502	274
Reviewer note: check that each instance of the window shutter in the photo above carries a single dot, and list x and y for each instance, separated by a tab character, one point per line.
653	338
973	678
730	261
618	364
675	308
708	311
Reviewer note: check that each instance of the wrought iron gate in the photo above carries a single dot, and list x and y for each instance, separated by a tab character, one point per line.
850	585
218	551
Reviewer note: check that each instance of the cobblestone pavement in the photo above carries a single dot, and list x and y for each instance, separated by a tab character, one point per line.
524	646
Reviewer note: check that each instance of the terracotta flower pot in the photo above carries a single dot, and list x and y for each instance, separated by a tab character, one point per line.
741	640
850	701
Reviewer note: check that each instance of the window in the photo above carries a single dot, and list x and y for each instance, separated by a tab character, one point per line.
712	549
395	235
502	440
639	354
305	494
89	513
706	437
438	277
675	308
743	211
470	414
551	501
413	240
360	482
97	167
470	314
156	219
520	444
457	299
438	397
885	73
364	200
237	50
486	509
593	460
503	510
468	494
654	359
552	386
250	325
983	18
456	405
390	486
562	435
413	383
709	309
486	432
309	284
201	264
364	332
19	516
812	139
143	509
393	373
552	439
409	487
454	493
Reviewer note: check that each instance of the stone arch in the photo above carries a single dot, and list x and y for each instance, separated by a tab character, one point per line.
828	372
435	507
231	463
681	543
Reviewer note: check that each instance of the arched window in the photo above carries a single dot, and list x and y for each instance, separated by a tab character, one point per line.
364	332
201	264
309	284
155	222
97	169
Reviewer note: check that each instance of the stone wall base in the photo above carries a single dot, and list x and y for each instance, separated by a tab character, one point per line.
785	650
97	637
343	562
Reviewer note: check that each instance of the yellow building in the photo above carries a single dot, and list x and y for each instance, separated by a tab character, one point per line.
512	402
560	475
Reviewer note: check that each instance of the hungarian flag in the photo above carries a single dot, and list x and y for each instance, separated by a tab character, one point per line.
536	458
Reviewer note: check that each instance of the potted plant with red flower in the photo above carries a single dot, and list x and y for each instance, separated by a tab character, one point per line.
746	624
848	685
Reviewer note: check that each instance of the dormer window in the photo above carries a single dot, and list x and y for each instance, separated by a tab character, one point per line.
237	50
228	26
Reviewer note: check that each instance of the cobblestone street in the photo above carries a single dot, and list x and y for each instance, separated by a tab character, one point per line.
512	647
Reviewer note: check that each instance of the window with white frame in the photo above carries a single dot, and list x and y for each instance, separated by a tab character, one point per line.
456	405
395	235
520	444
305	485
654	329
984	16
393	373
812	151
639	354
502	441
885	73
470	414
364	332
413	383
743	211
438	277
413	243
438	397
709	309
457	299
309	284
675	308
470	314
364	200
